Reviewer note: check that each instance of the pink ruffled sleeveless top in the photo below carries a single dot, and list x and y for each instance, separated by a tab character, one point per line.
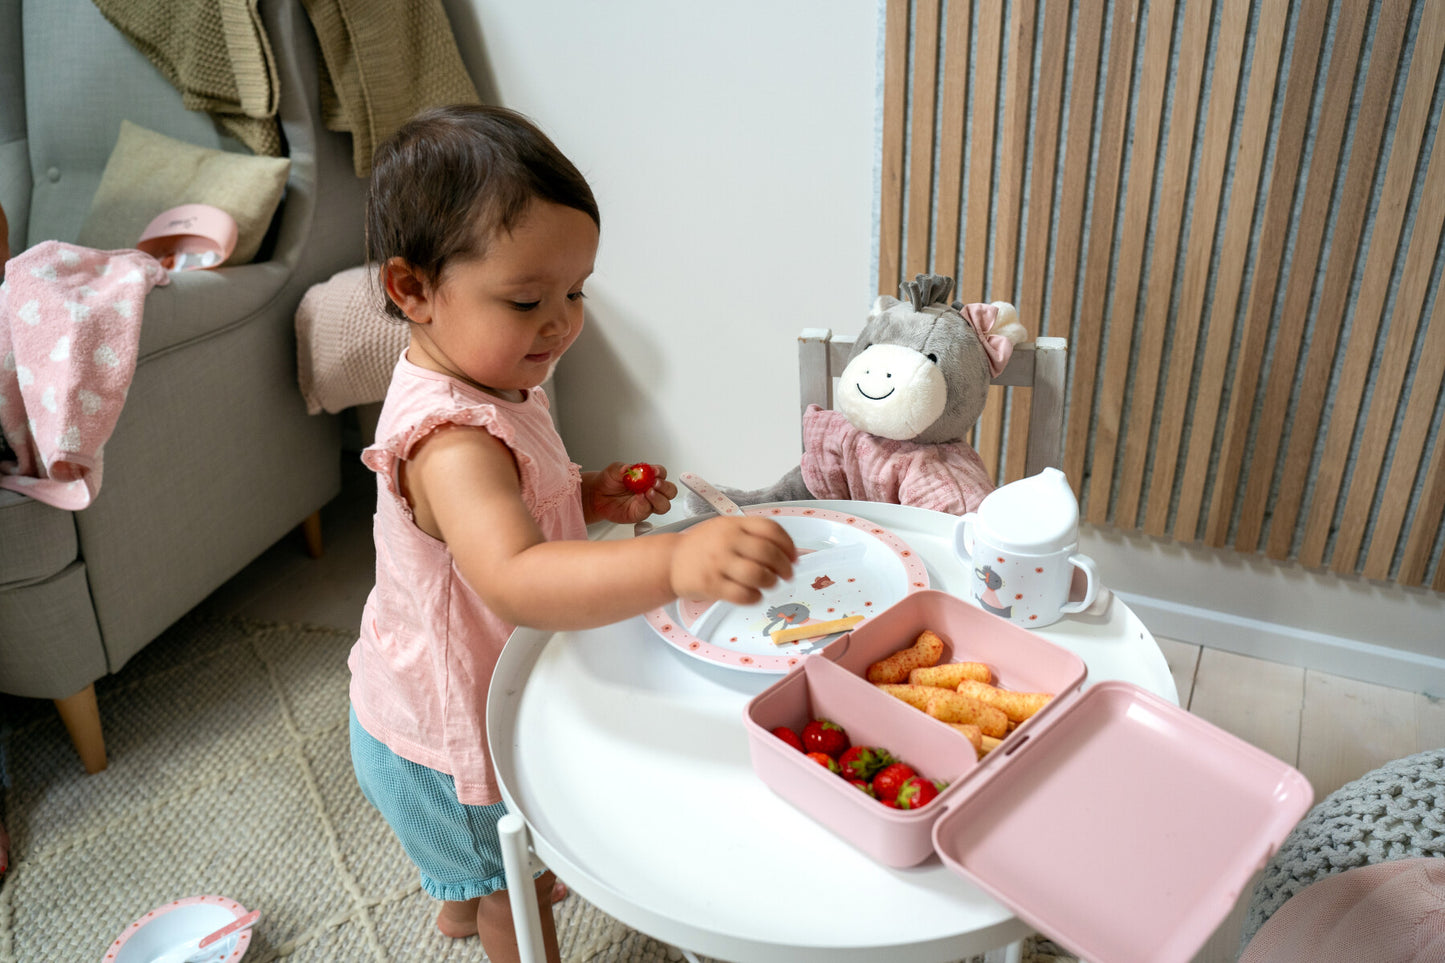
428	645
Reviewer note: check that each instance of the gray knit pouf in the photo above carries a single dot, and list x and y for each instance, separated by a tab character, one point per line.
1394	812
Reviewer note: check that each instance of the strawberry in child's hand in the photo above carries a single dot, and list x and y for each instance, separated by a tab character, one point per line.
788	736
916	792
639	478
863	762
820	735
824	760
890	779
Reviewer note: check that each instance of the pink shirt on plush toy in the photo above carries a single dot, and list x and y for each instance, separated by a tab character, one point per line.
841	461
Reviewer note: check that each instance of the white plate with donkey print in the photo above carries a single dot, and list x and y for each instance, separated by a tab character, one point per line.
847	566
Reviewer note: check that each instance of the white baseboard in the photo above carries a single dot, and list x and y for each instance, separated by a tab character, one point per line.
1372	631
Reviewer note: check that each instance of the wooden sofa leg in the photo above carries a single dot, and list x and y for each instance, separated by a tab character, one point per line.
81	716
311	531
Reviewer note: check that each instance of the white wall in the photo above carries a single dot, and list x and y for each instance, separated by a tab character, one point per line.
731	149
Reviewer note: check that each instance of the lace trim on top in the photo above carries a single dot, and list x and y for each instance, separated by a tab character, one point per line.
385	457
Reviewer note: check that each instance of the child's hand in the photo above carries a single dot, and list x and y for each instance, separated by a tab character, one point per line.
732	559
606	498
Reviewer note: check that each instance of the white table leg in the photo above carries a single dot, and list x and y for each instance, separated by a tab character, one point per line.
1013	953
522	892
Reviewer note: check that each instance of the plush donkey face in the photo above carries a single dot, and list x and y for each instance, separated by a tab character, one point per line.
918	371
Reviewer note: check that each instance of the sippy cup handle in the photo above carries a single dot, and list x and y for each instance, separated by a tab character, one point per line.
963	537
1084	564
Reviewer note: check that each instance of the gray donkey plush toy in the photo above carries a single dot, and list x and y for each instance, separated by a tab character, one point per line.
915	383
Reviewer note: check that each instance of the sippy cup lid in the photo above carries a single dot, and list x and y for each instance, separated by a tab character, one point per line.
1037	515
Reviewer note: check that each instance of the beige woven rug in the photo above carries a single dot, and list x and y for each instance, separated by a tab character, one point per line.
230	774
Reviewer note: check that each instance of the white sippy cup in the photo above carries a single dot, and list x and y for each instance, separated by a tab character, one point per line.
1021	546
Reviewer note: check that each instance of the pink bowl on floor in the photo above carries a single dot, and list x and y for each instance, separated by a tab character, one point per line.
171	924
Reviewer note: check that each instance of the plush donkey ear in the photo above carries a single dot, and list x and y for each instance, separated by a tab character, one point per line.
883	303
1008	323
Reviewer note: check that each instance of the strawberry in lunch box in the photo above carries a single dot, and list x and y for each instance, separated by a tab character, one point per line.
890	780
820	735
826	761
916	792
864	762
789	736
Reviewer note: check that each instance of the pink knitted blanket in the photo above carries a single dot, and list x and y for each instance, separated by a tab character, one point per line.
69	329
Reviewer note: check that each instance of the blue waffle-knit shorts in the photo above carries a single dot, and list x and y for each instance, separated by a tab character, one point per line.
455	845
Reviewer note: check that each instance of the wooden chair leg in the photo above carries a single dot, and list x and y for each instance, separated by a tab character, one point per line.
311	531
81	716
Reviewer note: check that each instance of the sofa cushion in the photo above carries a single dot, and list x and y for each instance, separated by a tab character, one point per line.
39	540
149	173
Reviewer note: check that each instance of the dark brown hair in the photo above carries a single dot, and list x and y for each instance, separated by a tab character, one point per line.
451	177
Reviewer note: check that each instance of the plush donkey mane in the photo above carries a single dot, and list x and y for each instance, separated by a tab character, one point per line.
926	289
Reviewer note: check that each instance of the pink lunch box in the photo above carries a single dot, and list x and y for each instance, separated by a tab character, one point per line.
1116	823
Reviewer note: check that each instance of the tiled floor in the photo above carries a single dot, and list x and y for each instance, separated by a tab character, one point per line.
1333	729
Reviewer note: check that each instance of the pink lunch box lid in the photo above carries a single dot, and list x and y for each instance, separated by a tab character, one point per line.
1123	826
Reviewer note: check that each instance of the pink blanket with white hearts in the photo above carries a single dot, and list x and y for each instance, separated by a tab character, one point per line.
69	331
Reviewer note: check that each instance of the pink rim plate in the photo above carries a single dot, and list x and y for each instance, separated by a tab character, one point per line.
671	621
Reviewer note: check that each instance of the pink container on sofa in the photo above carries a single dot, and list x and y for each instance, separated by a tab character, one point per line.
1113	821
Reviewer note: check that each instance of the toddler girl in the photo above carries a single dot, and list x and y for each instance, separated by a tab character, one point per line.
483	234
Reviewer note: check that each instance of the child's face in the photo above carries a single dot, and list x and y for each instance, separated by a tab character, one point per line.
503	320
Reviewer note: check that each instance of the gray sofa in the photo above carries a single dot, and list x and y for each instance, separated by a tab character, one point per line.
214	457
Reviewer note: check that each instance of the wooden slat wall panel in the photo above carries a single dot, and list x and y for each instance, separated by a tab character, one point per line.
1190	314
1268	261
1086	342
1234	211
1329	316
1144	130
1053	30
1232	246
1169	220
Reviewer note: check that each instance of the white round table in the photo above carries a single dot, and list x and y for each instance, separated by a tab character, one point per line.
628	762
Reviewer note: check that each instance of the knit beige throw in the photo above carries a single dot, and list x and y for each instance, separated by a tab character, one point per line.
384	61
381	62
216	54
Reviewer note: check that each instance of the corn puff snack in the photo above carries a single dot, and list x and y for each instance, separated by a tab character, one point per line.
955	707
926	650
970	732
915	695
950	674
1018	706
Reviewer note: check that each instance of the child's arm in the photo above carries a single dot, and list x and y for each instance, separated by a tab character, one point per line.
463	487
